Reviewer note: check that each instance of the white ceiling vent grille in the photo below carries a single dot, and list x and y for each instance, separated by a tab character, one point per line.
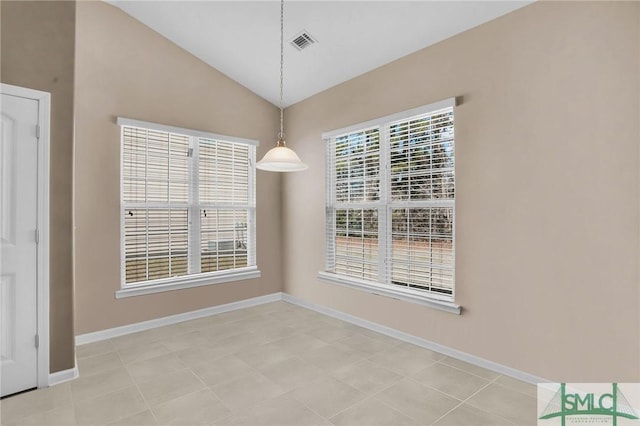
302	40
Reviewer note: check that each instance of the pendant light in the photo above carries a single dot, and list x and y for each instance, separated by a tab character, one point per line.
281	158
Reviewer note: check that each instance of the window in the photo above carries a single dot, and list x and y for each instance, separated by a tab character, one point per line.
188	208
390	204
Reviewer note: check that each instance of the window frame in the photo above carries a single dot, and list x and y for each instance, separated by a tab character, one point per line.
196	279
385	205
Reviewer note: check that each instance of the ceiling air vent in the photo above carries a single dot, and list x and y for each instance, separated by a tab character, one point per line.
302	40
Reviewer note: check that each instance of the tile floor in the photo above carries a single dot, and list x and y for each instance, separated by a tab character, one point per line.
274	364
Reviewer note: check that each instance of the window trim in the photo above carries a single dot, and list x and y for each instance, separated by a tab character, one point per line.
189	280
445	303
451	102
390	291
122	121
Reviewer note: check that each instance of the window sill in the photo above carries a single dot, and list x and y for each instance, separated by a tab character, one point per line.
187	281
389	292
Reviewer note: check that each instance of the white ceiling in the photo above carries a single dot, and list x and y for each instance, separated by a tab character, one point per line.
242	38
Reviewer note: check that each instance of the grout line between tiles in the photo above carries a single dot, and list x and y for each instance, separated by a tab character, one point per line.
349	407
73	404
465	371
146	403
512	389
490	382
209	388
435	389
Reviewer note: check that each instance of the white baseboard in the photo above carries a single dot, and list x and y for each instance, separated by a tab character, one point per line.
83	339
97	336
453	353
64	375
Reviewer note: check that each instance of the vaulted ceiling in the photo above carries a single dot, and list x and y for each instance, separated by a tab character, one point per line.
242	38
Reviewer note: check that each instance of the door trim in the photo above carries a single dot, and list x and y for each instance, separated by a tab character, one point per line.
42	256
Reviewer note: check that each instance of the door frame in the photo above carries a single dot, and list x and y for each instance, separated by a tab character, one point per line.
42	254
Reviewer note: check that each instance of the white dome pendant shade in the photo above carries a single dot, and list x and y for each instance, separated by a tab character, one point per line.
281	158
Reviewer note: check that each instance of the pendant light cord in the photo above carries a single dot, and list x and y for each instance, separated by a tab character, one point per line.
281	134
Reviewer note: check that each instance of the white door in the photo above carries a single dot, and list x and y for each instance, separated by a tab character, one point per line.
18	252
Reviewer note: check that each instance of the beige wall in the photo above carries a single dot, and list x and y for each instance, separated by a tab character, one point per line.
126	69
547	189
38	41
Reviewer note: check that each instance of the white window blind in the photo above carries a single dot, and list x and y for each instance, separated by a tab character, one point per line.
188	204
390	203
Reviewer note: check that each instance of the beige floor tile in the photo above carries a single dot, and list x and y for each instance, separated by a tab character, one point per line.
330	333
417	401
308	320
335	322
470	368
288	317
225	326
260	322
198	408
466	415
451	381
504	402
366	376
247	390
296	319
218	330
372	413
232	316
403	361
332	357
423	352
198	324
248	323
199	355
365	345
87	387
279	411
35	402
142	352
300	342
180	328
170	386
233	343
141	419
291	373
383	338
261	355
302	326
197	338
93	349
272	332
99	364
275	364
327	396
152	368
518	386
110	407
139	338
221	370
59	417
